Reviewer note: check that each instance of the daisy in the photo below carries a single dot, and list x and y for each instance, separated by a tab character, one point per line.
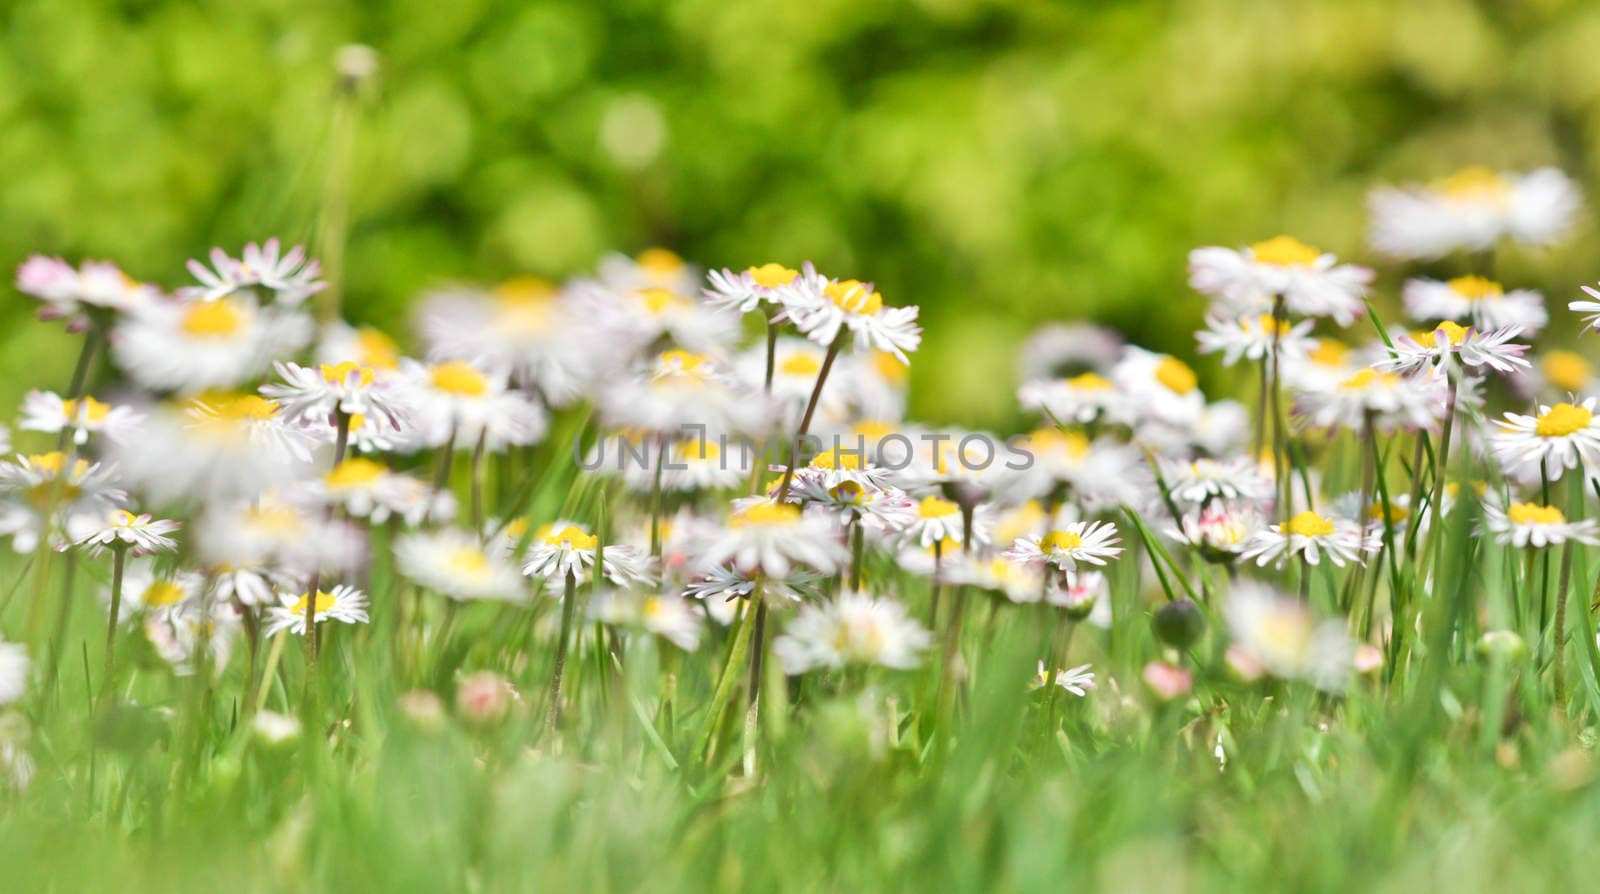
1482	302
796	364
1091	542
1082	398
940	521
71	293
1219	531
188	346
144	591
639	303
33	484
1156	388
1311	283
454	564
368	489
122	530
1472	210
672	618
525	328
343	603
1203	480
1062	350
13	672
1565	372
1533	525
269	531
176	636
774	538
677	389
318	395
704	463
459	403
653	268
853	629
1592	322
217	446
562	548
1079	595
1448	344
1282	636
1077	680
1390	401
822	307
749	289
880	508
339	342
722	584
47	411
1252	338
1558	438
290	277
1311	537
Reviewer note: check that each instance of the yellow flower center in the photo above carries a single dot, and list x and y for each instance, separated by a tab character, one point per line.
659	301
1308	524
1090	382
281	521
1060	541
212	319
54	487
1534	514
85	410
766	514
1566	370
659	261
1268	325
933	507
233	406
697	449
853	296
325	603
838	458
683	361
888	367
376	349
1284	251
1476	287
1397	513
770	276
1176	375
525	303
355	472
1061	443
161	592
468	561
1329	352
847	492
873	430
517	527
459	378
1476	184
571	535
801	364
1562	420
1454	335
338	372
1366	378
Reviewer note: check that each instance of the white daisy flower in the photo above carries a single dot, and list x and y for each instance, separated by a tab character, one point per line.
176	636
939	521
1282	635
1089	542
290	277
1077	680
47	411
1472	210
678	389
853	629
31	484
1533	525
775	538
339	342
144	591
637	304
880	508
525	328
653	268
561	548
1592	308
749	289
1082	398
13	672
120	529
1391	401
1482	302
1312	283
1449	344
696	464
1220	531
368	489
1398	510
270	532
1561	372
796	365
343	603
672	618
1312	537
187	346
454	564
456	402
317	395
70	293
1156	388
1559	437
723	584
1201	481
1079	594
218	446
820	307
1251	337
1329	362
1063	350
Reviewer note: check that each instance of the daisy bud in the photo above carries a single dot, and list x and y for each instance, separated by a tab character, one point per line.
1167	682
423	709
484	697
1502	644
274	730
1179	624
1243	666
1367	659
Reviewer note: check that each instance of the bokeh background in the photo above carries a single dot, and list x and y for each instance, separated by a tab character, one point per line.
998	163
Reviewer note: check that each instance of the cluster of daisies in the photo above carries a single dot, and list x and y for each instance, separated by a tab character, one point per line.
753	425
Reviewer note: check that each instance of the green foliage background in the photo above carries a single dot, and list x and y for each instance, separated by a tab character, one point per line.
998	163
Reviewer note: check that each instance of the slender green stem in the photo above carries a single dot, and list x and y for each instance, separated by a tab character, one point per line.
569	601
725	683
811	409
119	560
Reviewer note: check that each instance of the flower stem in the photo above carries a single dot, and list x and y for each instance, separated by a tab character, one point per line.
569	601
811	409
119	559
724	691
